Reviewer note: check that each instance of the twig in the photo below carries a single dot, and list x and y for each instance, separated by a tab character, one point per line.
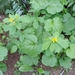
62	72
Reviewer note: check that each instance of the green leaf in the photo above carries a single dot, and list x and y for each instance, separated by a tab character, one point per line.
71	52
25	68
56	34
18	26
64	43
48	25
11	16
3	53
13	49
46	45
55	47
65	62
22	36
52	47
69	24
73	32
40	70
38	5
46	73
57	25
26	19
41	19
33	38
64	2
54	7
6	20
27	60
48	53
66	17
74	7
49	60
6	27
1	73
72	46
12	30
35	24
17	72
53	25
29	31
17	16
30	46
72	39
3	67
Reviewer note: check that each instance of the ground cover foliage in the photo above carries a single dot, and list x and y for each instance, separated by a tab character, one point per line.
14	6
45	34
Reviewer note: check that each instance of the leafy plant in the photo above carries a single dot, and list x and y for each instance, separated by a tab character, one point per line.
17	72
14	6
41	71
4	5
45	34
69	26
3	53
3	67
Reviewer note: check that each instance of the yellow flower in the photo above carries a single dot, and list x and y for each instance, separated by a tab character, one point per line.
11	19
54	39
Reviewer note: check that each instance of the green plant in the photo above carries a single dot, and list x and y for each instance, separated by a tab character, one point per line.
3	67
45	34
4	5
3	51
41	72
14	6
17	72
3	54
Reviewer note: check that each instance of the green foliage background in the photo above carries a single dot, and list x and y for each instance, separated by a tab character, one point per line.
13	6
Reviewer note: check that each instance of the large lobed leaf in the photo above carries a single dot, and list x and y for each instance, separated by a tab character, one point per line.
3	53
71	51
69	24
25	68
53	25
65	62
49	60
54	7
27	60
30	46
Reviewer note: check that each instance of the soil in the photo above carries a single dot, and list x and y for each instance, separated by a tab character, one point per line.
1	17
13	58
